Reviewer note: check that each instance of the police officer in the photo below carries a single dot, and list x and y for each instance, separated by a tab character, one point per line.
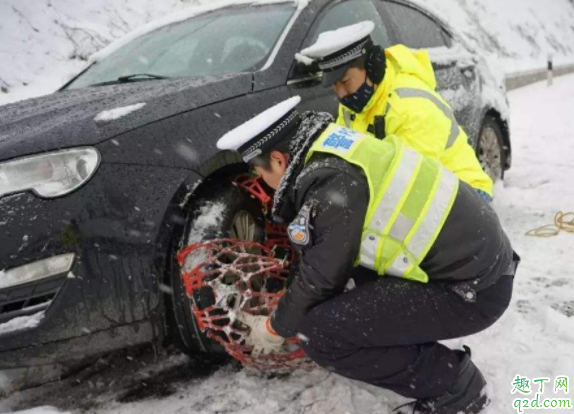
365	208
393	91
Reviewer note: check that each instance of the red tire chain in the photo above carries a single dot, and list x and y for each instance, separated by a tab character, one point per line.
245	262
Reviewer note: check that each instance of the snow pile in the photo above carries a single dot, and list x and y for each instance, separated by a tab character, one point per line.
117	113
22	322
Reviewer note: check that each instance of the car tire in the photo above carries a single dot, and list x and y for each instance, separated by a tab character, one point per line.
490	149
221	210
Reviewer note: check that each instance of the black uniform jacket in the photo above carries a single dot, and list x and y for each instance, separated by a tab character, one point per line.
326	202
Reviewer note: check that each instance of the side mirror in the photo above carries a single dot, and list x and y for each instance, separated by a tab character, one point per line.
305	71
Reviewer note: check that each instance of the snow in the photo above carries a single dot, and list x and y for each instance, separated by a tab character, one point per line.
519	34
117	113
335	40
22	322
493	90
210	216
533	338
44	43
47	42
457	53
42	410
303	59
239	136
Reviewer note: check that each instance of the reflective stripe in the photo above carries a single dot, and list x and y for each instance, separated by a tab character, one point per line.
420	93
369	251
347	118
441	202
419	243
401	179
402	227
388	205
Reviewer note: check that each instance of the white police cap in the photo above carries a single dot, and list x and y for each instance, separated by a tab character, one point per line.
262	132
334	41
335	50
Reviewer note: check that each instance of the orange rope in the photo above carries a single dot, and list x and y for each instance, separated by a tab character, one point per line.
562	221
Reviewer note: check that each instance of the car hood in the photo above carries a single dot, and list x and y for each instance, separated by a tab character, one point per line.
88	116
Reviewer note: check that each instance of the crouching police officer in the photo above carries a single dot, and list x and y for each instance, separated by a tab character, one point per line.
393	92
369	208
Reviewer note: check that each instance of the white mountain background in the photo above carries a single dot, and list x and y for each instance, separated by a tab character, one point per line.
43	43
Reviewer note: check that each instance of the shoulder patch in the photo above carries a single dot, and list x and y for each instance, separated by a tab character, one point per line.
341	139
298	230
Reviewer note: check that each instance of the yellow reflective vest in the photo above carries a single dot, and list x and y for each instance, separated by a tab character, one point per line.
410	198
416	113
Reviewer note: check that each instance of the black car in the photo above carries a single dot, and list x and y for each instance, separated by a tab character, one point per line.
102	182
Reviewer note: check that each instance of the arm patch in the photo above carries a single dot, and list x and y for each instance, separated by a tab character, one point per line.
299	229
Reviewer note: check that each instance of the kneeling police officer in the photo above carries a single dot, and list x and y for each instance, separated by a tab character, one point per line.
362	208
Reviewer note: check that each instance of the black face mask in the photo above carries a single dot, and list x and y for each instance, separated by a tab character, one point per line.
358	100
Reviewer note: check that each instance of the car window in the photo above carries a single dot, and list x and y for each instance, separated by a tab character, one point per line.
347	13
230	40
415	29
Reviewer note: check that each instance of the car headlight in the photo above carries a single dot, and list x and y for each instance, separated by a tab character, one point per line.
35	271
49	175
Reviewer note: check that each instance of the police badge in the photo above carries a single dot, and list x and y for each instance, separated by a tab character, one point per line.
298	230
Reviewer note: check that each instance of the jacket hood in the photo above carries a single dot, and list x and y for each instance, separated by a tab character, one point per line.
400	59
91	115
413	62
312	126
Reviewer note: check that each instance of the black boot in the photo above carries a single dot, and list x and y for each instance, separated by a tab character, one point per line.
467	395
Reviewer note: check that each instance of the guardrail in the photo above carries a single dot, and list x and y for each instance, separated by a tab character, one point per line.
519	79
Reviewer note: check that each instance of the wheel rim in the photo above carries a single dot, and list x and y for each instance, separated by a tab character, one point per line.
490	153
243	227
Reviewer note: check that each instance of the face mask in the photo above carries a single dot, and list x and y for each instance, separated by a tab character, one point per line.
358	100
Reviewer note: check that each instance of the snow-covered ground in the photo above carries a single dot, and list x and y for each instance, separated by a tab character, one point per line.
533	339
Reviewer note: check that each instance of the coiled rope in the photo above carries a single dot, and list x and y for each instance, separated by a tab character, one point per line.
562	222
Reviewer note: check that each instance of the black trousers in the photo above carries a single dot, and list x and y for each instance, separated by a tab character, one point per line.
385	332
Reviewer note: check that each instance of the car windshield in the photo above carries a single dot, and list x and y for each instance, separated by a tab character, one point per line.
230	40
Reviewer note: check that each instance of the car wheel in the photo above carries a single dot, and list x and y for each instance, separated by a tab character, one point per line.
490	151
221	211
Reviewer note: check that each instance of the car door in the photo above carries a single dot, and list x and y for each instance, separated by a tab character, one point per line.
306	80
455	68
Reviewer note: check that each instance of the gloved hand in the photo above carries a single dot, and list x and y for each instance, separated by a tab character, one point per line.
262	337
